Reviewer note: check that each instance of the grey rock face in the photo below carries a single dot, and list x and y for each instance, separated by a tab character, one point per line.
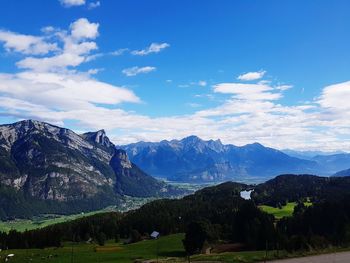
53	163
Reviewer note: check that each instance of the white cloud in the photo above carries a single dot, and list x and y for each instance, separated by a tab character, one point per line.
248	91
93	5
153	48
284	87
58	97
26	44
336	97
76	48
94	71
137	70
201	83
62	89
82	28
70	3
251	76
51	63
48	29
119	52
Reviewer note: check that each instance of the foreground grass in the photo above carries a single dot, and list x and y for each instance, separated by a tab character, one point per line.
168	246
286	210
169	249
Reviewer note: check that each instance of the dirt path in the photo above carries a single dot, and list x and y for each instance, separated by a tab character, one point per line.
342	257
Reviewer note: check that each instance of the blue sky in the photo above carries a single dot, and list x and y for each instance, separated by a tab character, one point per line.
276	72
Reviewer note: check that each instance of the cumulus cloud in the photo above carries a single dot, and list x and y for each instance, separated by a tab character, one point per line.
62	89
77	46
70	3
82	28
48	90
133	71
58	97
336	97
26	44
251	76
153	48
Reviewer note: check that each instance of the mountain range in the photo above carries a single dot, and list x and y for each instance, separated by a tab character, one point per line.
195	160
45	167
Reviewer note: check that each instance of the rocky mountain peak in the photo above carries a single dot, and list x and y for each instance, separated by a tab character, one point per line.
192	139
30	124
99	137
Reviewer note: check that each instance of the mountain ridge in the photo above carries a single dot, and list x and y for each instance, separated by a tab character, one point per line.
197	160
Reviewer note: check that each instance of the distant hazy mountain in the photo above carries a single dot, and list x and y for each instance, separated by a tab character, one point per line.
329	162
193	159
333	163
43	162
342	173
308	155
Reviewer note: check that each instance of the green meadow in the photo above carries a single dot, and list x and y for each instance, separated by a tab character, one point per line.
29	224
286	210
166	247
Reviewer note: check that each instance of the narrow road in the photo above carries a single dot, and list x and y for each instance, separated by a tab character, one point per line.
341	257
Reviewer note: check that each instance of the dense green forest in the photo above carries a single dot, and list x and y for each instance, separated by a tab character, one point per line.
218	215
292	188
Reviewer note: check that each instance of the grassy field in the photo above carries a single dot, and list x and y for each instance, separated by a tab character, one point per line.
168	246
286	210
169	249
